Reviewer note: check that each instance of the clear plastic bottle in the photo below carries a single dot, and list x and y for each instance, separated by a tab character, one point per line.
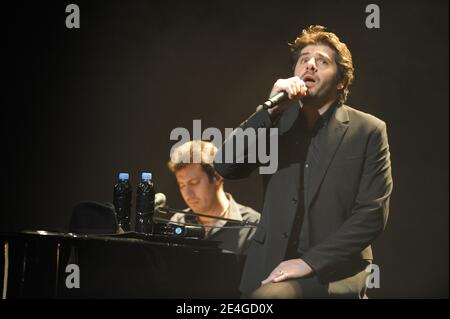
145	204
122	201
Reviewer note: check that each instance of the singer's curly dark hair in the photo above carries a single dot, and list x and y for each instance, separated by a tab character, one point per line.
316	34
183	156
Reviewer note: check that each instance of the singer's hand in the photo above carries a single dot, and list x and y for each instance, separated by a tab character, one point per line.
289	269
294	87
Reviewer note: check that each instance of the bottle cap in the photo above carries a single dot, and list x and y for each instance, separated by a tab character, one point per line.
146	176
124	176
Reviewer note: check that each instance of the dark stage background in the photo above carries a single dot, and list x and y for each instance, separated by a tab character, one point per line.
81	105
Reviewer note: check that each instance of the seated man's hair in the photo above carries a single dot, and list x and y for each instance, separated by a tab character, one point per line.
194	152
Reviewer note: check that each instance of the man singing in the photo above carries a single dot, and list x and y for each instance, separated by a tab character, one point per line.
329	199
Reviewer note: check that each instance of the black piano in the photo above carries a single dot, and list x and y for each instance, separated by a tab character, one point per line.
40	264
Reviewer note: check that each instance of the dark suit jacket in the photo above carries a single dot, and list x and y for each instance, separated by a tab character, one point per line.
346	200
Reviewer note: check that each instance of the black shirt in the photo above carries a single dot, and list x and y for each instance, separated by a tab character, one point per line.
308	147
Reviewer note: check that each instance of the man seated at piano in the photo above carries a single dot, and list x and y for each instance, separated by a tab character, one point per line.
202	190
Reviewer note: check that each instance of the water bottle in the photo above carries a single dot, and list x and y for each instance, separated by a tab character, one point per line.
122	201
145	204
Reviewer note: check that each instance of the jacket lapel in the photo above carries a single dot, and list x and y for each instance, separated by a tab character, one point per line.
331	139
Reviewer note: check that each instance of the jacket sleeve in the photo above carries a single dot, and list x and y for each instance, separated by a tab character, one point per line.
369	212
231	161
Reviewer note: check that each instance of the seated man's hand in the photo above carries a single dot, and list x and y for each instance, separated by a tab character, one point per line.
178	218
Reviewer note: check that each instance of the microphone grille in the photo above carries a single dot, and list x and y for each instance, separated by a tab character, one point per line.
160	200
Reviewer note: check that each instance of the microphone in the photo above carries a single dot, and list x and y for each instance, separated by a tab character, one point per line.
275	100
160	200
189	231
166	209
278	98
175	230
